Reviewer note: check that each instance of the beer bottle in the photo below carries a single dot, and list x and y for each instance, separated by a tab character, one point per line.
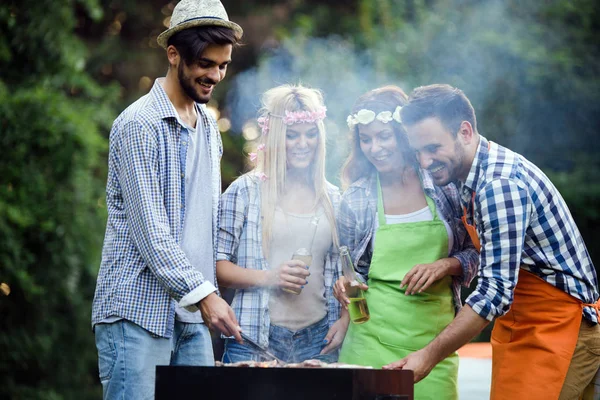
358	309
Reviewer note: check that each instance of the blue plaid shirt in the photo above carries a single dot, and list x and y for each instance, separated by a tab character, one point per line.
144	271
522	221
240	241
357	217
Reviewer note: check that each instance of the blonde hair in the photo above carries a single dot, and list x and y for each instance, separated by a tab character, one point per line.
272	161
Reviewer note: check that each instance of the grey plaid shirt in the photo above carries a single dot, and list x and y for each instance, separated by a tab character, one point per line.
144	271
240	241
356	226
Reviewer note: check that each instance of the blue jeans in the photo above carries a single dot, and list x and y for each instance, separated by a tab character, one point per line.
289	346
128	356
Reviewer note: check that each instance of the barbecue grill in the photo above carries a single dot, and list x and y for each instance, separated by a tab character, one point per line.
243	383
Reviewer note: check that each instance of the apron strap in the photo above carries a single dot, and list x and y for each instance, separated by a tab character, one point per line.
381	211
595	306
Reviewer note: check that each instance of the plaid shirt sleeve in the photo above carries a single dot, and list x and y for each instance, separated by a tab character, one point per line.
504	207
147	218
333	264
352	221
232	216
463	249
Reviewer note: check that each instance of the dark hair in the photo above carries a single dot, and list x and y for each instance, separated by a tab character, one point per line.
385	98
441	101
191	42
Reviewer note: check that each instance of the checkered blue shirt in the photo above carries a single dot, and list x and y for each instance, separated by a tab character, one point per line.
522	221
357	224
144	271
240	241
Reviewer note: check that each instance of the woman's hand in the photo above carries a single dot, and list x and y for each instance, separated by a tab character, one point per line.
422	276
336	334
291	274
339	291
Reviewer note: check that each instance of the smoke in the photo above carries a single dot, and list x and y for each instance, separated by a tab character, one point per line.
505	56
332	65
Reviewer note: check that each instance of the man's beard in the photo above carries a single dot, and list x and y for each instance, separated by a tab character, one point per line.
187	85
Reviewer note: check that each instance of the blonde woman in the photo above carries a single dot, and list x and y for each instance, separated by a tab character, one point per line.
283	204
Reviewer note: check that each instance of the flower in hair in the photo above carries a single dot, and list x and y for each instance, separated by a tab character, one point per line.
384	116
298	117
396	115
254	156
263	123
365	117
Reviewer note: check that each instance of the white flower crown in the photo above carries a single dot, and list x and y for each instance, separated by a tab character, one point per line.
365	117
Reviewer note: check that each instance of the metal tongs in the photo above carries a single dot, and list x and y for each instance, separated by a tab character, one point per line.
264	352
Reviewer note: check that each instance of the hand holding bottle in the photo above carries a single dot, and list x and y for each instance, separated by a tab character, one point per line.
355	300
289	276
340	292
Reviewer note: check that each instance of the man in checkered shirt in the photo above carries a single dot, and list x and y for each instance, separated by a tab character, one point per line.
536	278
156	295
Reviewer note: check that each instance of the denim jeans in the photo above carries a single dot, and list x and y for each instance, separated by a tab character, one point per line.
128	356
289	346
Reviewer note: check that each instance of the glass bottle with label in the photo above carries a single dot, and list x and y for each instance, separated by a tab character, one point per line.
358	309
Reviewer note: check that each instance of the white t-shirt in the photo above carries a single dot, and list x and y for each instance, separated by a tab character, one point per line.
424	214
290	232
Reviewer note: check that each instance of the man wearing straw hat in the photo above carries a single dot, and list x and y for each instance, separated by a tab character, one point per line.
156	295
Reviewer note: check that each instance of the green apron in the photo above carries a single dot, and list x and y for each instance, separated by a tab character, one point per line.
401	324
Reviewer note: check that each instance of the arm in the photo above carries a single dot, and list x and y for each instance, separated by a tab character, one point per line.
291	274
349	233
147	219
421	276
505	208
233	276
235	209
336	334
463	328
352	223
464	259
463	249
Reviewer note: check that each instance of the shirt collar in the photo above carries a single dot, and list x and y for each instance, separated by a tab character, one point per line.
427	182
474	176
166	109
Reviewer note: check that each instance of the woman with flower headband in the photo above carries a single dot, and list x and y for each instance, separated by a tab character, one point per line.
405	235
283	204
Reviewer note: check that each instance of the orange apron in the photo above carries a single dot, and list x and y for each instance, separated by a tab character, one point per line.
532	345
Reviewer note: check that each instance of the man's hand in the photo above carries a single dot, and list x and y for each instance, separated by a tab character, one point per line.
291	274
339	291
217	314
419	362
422	276
336	334
461	330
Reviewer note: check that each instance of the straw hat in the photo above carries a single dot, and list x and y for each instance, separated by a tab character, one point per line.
193	13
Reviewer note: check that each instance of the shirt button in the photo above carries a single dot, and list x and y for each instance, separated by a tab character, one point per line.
183	175
184	142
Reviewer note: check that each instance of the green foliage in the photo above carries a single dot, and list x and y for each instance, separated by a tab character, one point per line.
531	69
51	220
53	120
